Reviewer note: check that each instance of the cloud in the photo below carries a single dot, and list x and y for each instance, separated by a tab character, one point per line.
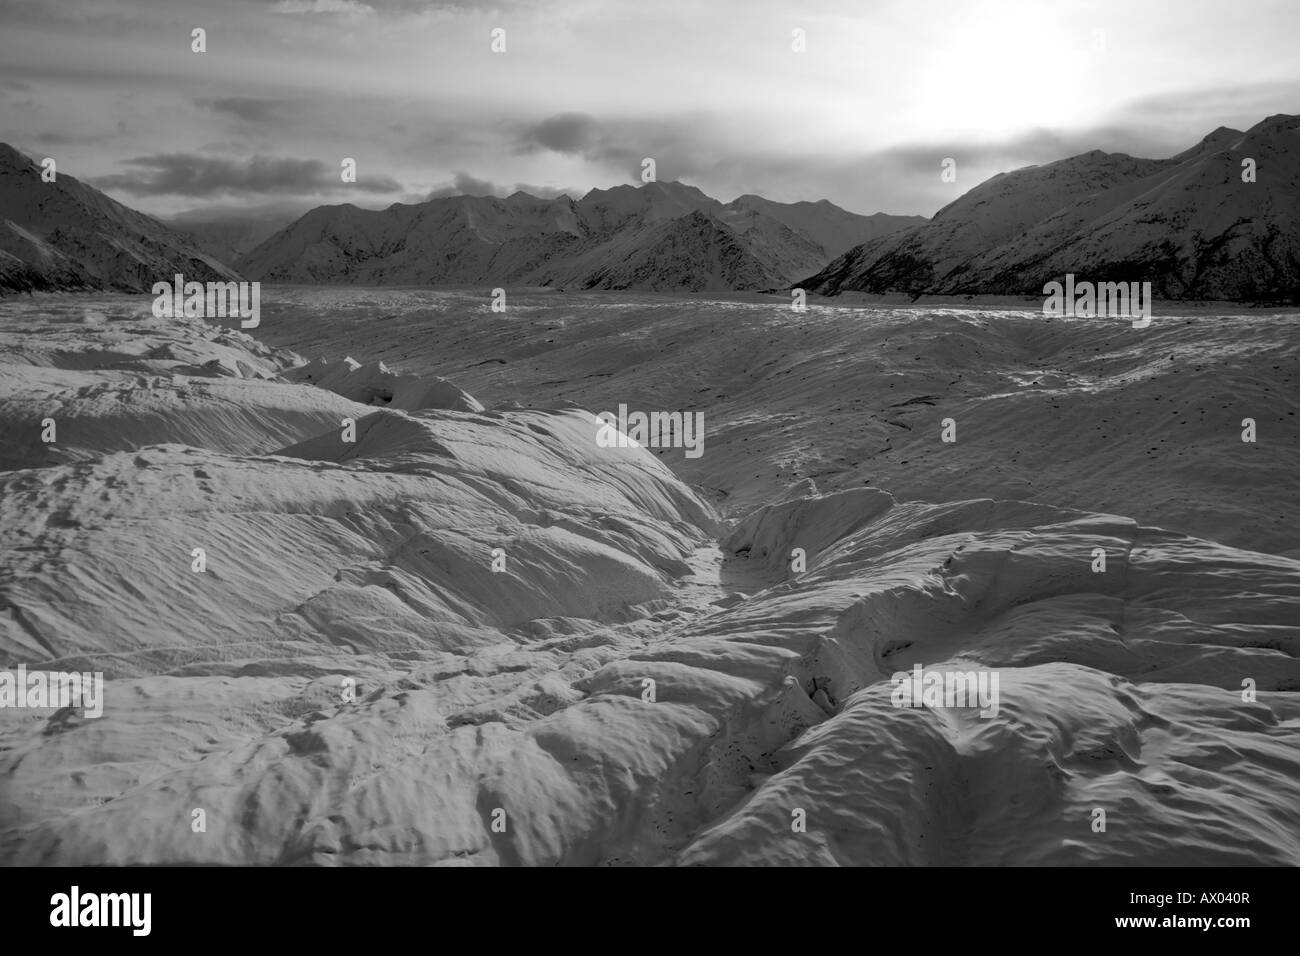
63	138
423	96
1128	133
683	144
569	133
348	9
1030	148
463	184
183	174
548	192
389	8
1196	111
249	109
281	212
619	145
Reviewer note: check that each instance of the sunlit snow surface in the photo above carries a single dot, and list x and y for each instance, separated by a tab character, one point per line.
525	690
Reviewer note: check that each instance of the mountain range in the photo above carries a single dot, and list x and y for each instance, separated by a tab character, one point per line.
1218	221
660	236
1197	226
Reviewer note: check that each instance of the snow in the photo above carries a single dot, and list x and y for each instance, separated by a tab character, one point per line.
523	695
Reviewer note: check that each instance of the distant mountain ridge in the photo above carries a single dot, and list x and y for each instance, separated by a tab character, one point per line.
1189	225
67	235
659	236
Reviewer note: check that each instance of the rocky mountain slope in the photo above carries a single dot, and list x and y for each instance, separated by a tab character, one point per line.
1189	225
67	235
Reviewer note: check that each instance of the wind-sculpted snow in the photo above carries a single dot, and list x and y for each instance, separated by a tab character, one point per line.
1119	691
386	541
112	377
475	636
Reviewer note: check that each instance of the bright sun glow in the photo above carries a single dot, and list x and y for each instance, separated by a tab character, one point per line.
1011	68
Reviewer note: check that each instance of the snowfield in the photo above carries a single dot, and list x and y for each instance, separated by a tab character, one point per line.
463	632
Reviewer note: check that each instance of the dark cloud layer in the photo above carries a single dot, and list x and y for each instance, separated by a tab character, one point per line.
683	144
186	174
569	133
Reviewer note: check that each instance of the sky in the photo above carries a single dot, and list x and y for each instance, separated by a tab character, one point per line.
717	93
